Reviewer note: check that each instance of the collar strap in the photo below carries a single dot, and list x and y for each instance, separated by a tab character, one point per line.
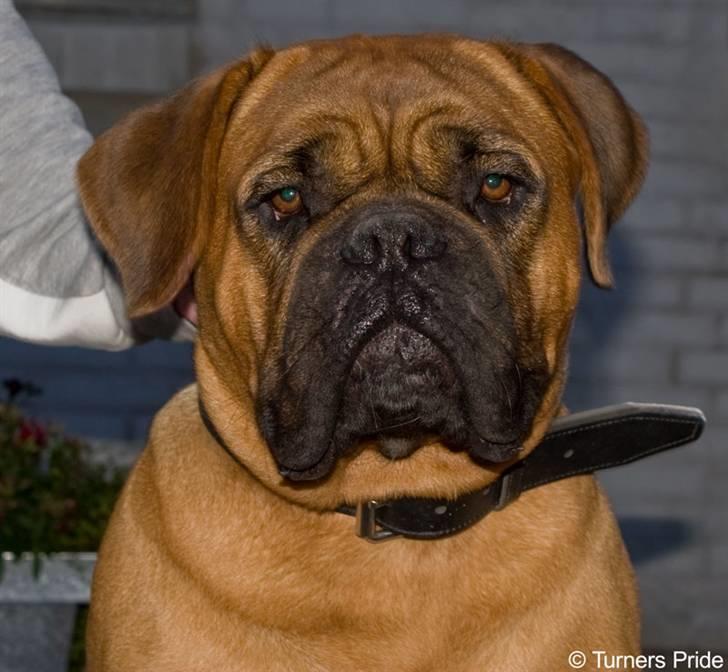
577	444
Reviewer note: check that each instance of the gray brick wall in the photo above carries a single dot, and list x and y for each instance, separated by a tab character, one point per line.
100	394
134	56
662	335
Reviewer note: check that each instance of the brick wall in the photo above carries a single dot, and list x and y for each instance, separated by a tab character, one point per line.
662	335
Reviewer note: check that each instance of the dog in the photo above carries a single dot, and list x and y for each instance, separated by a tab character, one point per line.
385	236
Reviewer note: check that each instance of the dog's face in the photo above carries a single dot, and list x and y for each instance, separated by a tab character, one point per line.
386	246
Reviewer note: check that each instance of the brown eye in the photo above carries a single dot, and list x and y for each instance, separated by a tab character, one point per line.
496	188
286	202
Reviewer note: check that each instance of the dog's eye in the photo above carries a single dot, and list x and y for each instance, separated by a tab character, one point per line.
286	202
496	188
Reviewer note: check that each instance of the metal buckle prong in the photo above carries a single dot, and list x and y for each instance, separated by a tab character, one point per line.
366	523
509	488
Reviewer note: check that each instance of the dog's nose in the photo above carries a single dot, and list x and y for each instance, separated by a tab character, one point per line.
393	241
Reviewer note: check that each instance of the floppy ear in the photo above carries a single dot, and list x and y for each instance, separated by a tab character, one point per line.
610	138
148	184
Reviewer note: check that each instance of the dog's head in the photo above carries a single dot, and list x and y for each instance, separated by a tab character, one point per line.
385	237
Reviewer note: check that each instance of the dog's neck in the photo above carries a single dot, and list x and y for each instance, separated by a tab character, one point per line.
577	445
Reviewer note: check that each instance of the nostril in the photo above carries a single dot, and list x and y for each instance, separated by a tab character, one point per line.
363	251
416	247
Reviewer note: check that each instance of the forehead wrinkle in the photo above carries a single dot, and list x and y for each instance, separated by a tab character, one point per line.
497	90
339	59
325	123
415	128
540	93
380	129
405	118
431	67
353	130
450	119
371	73
488	138
260	89
283	149
524	97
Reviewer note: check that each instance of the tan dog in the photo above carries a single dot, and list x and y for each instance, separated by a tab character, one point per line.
385	241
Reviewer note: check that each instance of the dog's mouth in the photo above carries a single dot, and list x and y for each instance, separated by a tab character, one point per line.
399	391
401	388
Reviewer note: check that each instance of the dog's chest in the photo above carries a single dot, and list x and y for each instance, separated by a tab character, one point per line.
366	616
427	605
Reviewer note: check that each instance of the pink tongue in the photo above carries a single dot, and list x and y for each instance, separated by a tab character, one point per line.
185	304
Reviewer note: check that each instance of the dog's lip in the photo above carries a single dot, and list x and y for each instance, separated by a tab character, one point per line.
508	450
309	473
398	448
488	449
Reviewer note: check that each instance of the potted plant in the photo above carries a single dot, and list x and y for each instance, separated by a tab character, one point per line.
54	504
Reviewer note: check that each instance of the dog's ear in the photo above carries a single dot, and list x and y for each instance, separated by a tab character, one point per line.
609	137
141	184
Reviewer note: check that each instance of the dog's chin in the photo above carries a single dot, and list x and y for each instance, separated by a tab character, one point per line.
400	390
398	448
403	391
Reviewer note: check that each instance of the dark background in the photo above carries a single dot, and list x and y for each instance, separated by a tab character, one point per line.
662	335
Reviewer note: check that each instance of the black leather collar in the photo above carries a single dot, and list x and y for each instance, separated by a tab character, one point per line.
576	444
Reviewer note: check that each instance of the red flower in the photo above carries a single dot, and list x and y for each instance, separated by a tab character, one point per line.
33	431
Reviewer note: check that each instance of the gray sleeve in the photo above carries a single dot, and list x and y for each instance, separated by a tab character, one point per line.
55	285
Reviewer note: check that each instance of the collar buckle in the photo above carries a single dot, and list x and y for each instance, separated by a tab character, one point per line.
509	487
366	523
